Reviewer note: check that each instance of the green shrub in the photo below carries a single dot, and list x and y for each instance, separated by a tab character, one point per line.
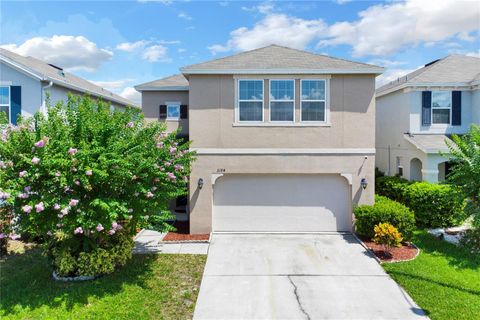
391	187
384	211
435	205
69	259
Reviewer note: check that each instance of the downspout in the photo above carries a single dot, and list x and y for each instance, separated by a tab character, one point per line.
43	108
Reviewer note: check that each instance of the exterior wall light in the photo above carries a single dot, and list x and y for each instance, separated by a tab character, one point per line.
364	183
200	183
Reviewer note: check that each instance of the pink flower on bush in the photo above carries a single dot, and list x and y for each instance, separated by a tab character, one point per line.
111	232
171	176
56	206
49	233
173	150
72	151
59	225
130	124
149	194
89	172
35	160
73	202
167	164
185	178
27	189
27	208
22	174
57	174
178	167
40	144
77	182
4	195
156	180
130	210
39	207
3	235
14	236
160	145
23	195
99	227
114	225
65	211
78	230
3	165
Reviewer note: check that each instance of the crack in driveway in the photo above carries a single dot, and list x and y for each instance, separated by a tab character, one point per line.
295	291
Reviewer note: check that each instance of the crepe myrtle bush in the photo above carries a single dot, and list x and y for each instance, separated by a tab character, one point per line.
83	171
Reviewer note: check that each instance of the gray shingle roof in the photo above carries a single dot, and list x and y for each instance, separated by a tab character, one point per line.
428	143
46	72
177	82
453	69
278	59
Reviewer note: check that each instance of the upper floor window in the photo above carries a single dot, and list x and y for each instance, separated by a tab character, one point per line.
173	110
5	101
313	101
282	100
250	100
441	107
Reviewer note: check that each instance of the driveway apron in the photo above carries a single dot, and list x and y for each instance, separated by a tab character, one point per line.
297	276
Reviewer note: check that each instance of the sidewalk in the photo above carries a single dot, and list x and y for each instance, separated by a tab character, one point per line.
149	241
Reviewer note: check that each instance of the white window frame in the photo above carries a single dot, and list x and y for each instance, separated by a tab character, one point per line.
240	100
172	104
8	104
325	101
441	108
270	100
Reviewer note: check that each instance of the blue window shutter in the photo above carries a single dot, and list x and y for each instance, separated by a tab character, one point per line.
457	108
426	108
15	103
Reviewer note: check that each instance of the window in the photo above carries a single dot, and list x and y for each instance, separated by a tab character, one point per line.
173	111
282	100
313	101
5	101
250	100
441	107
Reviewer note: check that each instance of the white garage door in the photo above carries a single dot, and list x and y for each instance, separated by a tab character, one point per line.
281	203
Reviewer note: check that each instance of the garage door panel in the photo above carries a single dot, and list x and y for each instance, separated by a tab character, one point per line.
281	203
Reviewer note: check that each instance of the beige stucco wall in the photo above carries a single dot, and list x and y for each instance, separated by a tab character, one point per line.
212	125
352	117
151	101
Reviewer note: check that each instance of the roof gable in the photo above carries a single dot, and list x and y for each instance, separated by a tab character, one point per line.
176	82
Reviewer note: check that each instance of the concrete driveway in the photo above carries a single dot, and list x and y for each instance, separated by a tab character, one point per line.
297	276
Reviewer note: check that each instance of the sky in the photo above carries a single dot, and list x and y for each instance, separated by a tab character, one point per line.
119	44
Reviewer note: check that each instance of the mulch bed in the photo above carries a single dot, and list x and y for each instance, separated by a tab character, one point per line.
404	253
183	233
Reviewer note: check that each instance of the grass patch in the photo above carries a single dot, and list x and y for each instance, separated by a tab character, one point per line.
444	280
148	287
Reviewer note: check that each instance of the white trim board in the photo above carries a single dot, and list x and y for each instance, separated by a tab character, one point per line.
283	71
284	151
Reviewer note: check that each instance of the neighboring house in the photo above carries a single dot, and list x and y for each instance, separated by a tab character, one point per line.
25	82
418	112
284	138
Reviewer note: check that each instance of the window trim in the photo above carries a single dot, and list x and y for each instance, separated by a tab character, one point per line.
325	101
442	108
173	103
9	103
271	100
238	100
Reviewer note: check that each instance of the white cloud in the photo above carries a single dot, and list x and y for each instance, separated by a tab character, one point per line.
132	46
387	63
386	28
264	8
224	3
165	2
156	53
392	75
69	52
183	15
274	28
341	1
131	94
181	50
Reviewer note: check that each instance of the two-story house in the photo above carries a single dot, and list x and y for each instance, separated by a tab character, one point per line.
285	139
418	112
25	83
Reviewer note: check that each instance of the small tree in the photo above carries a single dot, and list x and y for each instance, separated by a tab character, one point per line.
465	173
82	175
387	236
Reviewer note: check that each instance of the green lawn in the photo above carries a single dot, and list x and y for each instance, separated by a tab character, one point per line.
149	287
444	280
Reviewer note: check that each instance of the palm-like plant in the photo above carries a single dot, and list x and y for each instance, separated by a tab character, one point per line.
465	154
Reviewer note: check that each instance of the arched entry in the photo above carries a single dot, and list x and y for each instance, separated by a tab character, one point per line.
415	169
